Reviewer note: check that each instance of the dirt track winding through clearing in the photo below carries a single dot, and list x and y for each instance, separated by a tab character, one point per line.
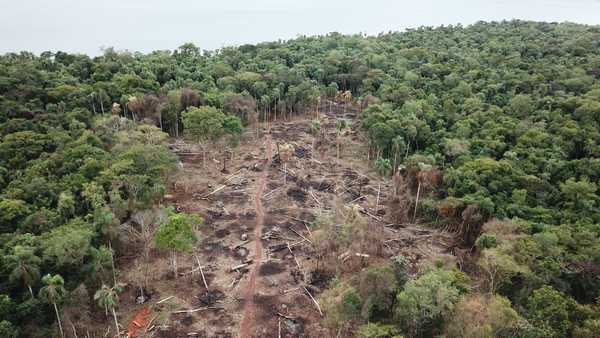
249	309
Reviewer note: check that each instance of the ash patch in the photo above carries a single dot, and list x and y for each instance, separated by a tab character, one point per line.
271	268
222	233
320	278
297	194
210	298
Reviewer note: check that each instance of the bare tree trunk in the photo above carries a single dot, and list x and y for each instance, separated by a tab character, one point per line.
102	107
175	263
116	322
417	201
112	262
337	144
30	291
62	334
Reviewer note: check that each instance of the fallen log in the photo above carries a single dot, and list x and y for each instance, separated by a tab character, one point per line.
243	265
199	309
164	300
202	273
314	301
299	234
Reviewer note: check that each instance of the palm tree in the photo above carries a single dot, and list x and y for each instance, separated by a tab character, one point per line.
100	263
315	129
423	168
397	147
108	298
53	293
25	266
340	125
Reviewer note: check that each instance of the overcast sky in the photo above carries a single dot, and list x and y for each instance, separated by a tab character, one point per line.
145	25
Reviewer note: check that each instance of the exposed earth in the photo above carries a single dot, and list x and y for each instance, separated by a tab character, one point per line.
255	245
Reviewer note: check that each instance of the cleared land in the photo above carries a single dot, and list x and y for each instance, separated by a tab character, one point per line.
256	251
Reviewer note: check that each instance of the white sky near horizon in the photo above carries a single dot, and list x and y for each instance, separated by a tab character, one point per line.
85	26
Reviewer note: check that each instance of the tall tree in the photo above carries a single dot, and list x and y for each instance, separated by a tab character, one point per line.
25	266
177	235
53	292
203	124
108	298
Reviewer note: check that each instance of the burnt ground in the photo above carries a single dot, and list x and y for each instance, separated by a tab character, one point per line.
314	181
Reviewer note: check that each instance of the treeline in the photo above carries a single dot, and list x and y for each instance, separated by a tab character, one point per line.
491	121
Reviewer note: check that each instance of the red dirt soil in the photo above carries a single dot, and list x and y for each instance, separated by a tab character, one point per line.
139	322
249	308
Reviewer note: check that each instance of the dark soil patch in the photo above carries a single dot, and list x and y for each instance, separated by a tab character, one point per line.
297	194
222	233
294	327
187	320
232	197
267	305
324	185
307	216
301	152
271	268
222	334
211	298
320	278
273	185
213	247
249	215
221	215
233	227
240	252
171	332
207	275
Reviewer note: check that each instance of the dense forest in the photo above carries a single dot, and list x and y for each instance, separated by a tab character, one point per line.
495	127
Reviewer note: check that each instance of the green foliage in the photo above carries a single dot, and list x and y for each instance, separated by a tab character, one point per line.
204	123
485	317
341	304
68	245
210	124
177	232
551	311
376	287
315	126
384	166
425	302
486	241
11	212
108	297
508	111
400	265
7	330
53	291
375	330
24	266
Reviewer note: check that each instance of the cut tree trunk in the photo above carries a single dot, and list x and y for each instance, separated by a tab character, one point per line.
175	263
116	322
417	201
62	334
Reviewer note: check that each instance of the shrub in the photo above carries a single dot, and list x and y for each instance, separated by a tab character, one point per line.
376	330
486	241
425	301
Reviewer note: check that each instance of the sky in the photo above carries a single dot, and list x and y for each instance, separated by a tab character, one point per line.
84	26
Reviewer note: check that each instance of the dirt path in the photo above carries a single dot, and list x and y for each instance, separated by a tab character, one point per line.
249	309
